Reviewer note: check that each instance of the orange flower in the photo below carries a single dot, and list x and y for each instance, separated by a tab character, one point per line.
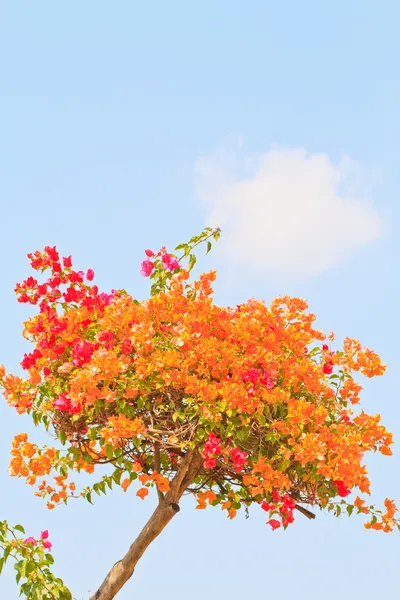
142	493
125	484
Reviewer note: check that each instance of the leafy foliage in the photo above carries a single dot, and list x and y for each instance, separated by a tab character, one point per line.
32	564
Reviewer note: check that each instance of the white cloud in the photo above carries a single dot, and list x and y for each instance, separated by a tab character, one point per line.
287	212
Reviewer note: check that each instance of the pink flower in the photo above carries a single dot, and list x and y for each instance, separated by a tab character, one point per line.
44	534
82	352
239	458
149	253
251	376
90	275
63	403
47	545
267	381
212	446
169	262
147	267
30	540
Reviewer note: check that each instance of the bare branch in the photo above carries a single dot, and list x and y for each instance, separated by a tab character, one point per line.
305	512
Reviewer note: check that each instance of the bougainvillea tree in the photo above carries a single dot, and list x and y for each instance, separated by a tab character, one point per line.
238	407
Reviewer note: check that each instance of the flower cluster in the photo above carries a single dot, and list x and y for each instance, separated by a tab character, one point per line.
255	390
212	448
43	540
169	263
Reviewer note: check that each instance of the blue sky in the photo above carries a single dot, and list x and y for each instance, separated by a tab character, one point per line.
135	125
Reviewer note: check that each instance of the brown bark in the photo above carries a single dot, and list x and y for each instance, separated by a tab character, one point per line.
165	511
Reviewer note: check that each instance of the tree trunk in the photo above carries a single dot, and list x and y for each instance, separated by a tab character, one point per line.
167	508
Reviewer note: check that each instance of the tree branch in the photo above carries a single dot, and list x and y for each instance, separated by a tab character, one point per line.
122	571
305	512
157	467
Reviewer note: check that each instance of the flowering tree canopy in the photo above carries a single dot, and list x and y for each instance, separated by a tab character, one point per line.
239	406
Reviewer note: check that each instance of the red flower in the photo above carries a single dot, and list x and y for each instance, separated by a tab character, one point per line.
210	463
342	490
276	497
327	368
149	253
67	262
267	507
90	275
325	347
126	346
288	503
52	253
274	524
23	298
289	519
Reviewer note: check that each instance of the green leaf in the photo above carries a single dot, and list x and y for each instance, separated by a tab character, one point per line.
92	434
350	509
2	561
209	246
192	261
62	436
19	528
65	594
117	476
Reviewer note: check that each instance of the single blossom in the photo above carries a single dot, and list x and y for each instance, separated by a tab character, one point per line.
67	261
327	368
149	253
47	545
147	268
170	263
90	275
30	540
266	506
275	524
44	534
342	490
